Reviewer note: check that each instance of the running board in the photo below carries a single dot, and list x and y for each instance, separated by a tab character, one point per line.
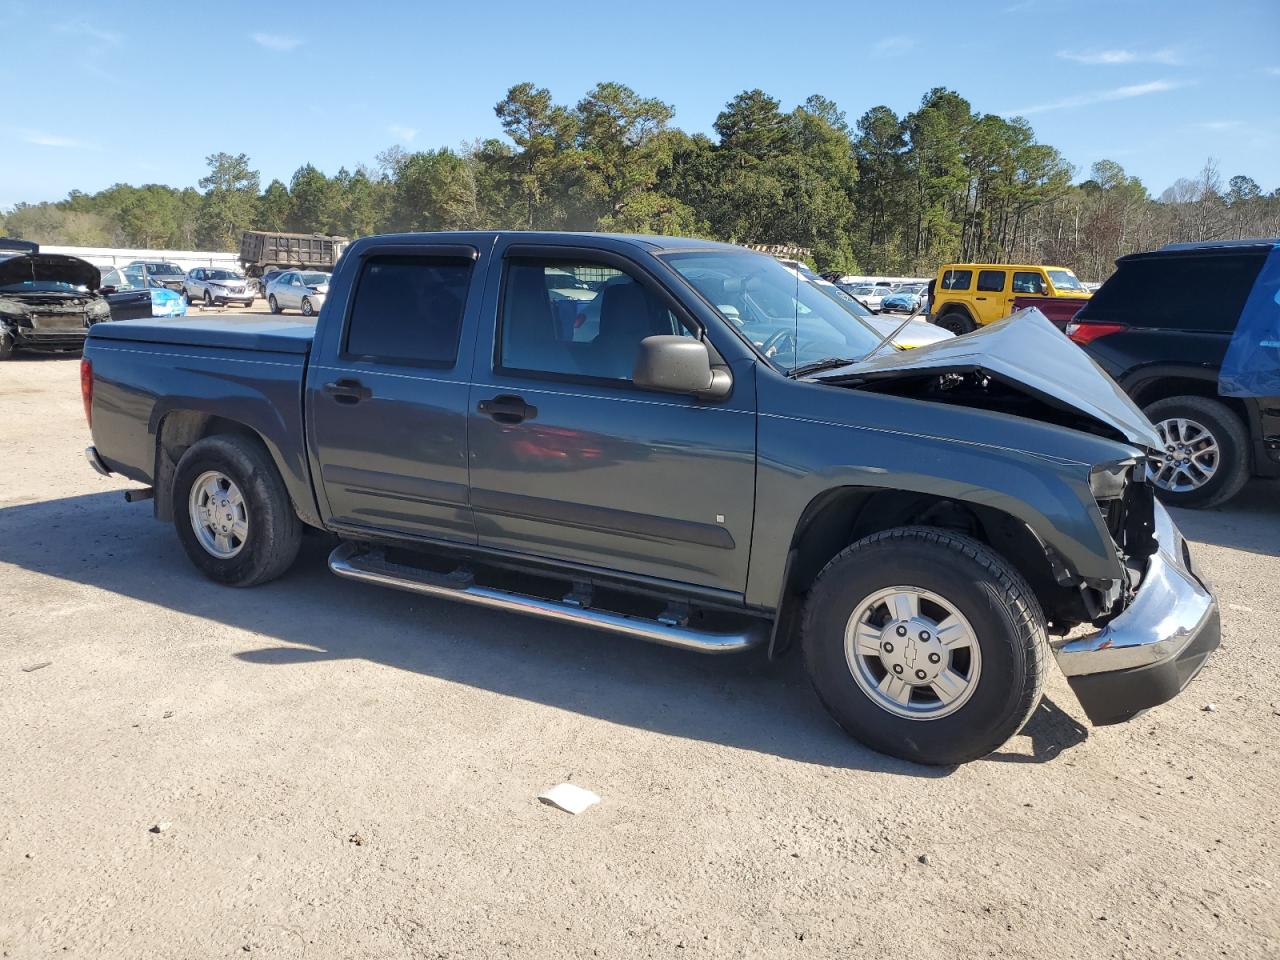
349	560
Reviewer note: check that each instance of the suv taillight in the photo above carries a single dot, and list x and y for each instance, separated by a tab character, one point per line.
86	388
1083	332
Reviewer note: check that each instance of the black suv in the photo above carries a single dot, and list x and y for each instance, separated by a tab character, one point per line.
1161	325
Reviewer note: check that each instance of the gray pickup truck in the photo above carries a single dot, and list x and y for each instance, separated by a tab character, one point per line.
684	442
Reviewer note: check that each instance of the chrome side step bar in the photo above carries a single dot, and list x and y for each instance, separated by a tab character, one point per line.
349	560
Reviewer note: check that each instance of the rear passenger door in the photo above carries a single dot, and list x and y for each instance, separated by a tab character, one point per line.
571	461
990	297
386	400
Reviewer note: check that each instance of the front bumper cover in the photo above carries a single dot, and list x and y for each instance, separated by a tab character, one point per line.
1146	655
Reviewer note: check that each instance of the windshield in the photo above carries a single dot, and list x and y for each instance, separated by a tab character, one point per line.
41	286
314	279
791	320
224	275
1065	280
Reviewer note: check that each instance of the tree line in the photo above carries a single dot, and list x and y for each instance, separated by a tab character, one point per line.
888	194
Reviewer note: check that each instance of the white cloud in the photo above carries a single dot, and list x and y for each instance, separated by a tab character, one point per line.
401	132
1168	56
1098	96
1218	126
86	29
43	139
1271	71
895	44
275	41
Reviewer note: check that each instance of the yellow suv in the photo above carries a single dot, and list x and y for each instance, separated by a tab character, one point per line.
968	295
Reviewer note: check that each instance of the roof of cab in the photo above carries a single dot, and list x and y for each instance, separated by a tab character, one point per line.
562	237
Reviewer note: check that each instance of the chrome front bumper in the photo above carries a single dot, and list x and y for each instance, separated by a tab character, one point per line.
1146	655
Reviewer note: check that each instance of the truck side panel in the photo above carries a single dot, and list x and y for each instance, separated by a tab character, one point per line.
137	385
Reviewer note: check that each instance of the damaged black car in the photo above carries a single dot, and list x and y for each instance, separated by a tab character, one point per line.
48	301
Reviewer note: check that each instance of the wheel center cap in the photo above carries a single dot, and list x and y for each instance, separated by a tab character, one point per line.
910	649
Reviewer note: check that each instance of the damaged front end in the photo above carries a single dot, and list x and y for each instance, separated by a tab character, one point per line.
1153	624
48	302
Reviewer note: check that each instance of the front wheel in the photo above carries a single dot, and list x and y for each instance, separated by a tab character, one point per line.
1205	460
273	304
6	346
925	644
307	309
232	513
208	300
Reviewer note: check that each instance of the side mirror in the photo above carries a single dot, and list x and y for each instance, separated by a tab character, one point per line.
680	365
107	289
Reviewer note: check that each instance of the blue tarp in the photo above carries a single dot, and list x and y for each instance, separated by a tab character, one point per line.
1251	367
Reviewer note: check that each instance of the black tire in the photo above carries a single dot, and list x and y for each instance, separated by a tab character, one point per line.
1233	445
6	346
186	295
274	533
208	300
1005	617
307	309
271	302
957	323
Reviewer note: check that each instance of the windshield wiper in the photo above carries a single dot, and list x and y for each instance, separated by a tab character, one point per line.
826	363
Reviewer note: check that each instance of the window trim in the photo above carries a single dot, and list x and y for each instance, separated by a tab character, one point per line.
588	256
421	252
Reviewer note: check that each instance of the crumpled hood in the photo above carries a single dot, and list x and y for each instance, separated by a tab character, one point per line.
49	268
1025	350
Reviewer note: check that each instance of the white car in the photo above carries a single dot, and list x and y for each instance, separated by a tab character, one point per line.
869	294
916	332
301	290
215	285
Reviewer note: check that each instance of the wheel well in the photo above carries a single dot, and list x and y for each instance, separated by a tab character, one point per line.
1147	392
178	431
847	514
954	306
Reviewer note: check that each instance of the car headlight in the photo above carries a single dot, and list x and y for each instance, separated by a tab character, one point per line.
99	310
1107	481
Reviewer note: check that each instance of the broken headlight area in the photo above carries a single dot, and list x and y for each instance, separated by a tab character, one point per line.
1127	504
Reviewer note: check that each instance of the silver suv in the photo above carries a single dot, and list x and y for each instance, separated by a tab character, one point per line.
217	285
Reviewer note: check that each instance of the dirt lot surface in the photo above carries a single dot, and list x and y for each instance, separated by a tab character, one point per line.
346	771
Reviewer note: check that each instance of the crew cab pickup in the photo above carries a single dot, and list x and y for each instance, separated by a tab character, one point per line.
672	439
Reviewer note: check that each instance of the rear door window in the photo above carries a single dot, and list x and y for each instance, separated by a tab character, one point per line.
991	281
1205	292
957	279
408	310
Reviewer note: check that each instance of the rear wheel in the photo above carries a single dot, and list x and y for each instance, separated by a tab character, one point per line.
232	513
957	323
1206	451
925	645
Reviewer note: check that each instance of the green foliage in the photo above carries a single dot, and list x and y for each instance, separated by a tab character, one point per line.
888	195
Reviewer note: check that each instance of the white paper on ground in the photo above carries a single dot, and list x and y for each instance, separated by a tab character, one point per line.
569	798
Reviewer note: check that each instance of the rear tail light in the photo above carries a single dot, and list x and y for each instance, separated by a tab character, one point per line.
86	388
1082	332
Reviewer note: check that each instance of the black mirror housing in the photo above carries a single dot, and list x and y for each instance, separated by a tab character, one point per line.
680	365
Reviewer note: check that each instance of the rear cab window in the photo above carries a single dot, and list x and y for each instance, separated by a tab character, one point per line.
407	310
1204	292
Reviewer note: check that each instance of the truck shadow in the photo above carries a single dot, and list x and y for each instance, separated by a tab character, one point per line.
309	616
1249	521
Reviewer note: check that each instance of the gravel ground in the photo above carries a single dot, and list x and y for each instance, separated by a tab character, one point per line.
346	771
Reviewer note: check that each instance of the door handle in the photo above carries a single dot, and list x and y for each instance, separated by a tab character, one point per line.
979	298
348	391
506	408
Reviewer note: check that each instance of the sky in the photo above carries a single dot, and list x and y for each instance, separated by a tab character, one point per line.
104	92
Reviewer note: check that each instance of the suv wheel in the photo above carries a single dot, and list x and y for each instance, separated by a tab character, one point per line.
208	299
925	645
6	346
271	302
232	513
1206	451
957	323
